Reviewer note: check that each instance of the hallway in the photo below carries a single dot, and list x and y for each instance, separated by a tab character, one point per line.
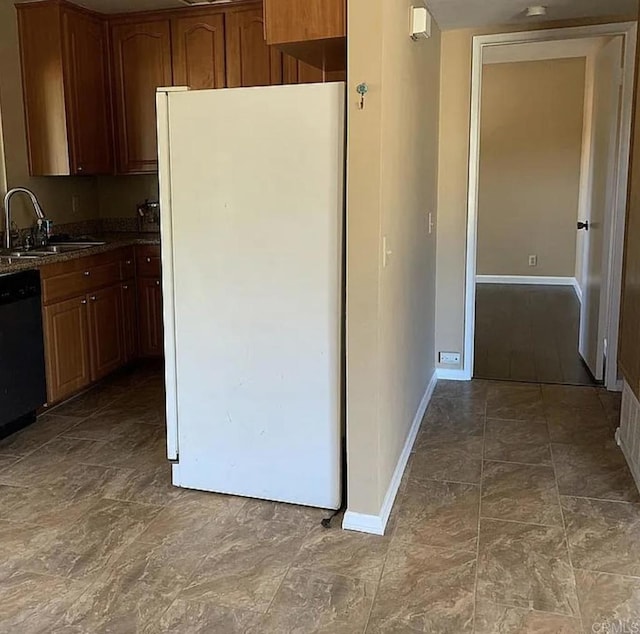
517	514
528	333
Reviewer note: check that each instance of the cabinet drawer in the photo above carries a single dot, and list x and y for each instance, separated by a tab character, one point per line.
64	286
103	275
148	261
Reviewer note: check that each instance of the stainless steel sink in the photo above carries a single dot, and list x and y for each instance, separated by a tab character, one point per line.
66	247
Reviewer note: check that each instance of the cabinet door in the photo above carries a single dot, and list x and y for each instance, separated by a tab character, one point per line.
67	348
297	72
87	94
129	319
250	62
105	332
198	51
142	63
150	326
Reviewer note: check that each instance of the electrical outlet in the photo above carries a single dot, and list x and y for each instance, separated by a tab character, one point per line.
450	358
533	260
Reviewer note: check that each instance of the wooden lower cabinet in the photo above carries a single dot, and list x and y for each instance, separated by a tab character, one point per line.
151	330
106	340
91	318
129	319
67	345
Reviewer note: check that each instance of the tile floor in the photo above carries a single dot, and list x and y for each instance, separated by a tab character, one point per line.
517	514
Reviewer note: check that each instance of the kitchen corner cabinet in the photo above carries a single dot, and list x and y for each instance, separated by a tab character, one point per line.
64	56
250	62
150	317
105	319
297	72
141	53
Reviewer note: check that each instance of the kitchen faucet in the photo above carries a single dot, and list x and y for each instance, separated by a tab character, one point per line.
7	211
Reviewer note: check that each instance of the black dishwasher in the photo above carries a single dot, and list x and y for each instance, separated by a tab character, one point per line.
22	371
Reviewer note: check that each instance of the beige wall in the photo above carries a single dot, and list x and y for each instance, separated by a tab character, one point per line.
392	181
530	155
55	193
455	99
119	196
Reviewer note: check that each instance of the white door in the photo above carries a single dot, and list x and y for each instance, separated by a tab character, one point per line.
252	208
604	153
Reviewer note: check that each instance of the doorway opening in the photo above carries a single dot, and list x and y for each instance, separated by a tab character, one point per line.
550	137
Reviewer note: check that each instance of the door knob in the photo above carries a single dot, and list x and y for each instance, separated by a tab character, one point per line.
583	225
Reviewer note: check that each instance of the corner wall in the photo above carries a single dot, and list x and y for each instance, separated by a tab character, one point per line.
392	186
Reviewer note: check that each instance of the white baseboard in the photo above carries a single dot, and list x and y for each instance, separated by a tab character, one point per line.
578	289
376	524
628	454
526	279
444	374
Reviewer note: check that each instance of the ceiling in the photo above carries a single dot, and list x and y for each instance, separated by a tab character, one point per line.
457	14
125	6
450	14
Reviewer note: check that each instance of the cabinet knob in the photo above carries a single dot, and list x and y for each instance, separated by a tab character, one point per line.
157	282
126	287
83	301
80	168
93	298
128	262
148	260
87	273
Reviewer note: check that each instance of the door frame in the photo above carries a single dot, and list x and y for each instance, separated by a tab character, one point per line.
615	248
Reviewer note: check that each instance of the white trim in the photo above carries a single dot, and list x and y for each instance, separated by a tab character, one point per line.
445	374
578	289
534	280
628	455
628	30
376	524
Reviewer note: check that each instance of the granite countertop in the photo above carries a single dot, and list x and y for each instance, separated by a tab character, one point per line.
112	241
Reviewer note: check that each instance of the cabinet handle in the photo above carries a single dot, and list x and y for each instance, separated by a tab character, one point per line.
87	273
83	301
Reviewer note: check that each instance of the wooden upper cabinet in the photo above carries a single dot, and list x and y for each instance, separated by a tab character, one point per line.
297	72
86	54
313	31
141	63
250	62
64	59
198	47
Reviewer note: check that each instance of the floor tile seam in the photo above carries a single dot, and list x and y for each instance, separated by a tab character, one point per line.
608	574
446	481
532	421
378	584
520	522
342	575
586	497
408	543
524	464
504	604
477	568
566	541
114	498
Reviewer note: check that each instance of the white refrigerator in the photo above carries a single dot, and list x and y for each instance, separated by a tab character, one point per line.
252	201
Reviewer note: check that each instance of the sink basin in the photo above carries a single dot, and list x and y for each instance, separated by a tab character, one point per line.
67	247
